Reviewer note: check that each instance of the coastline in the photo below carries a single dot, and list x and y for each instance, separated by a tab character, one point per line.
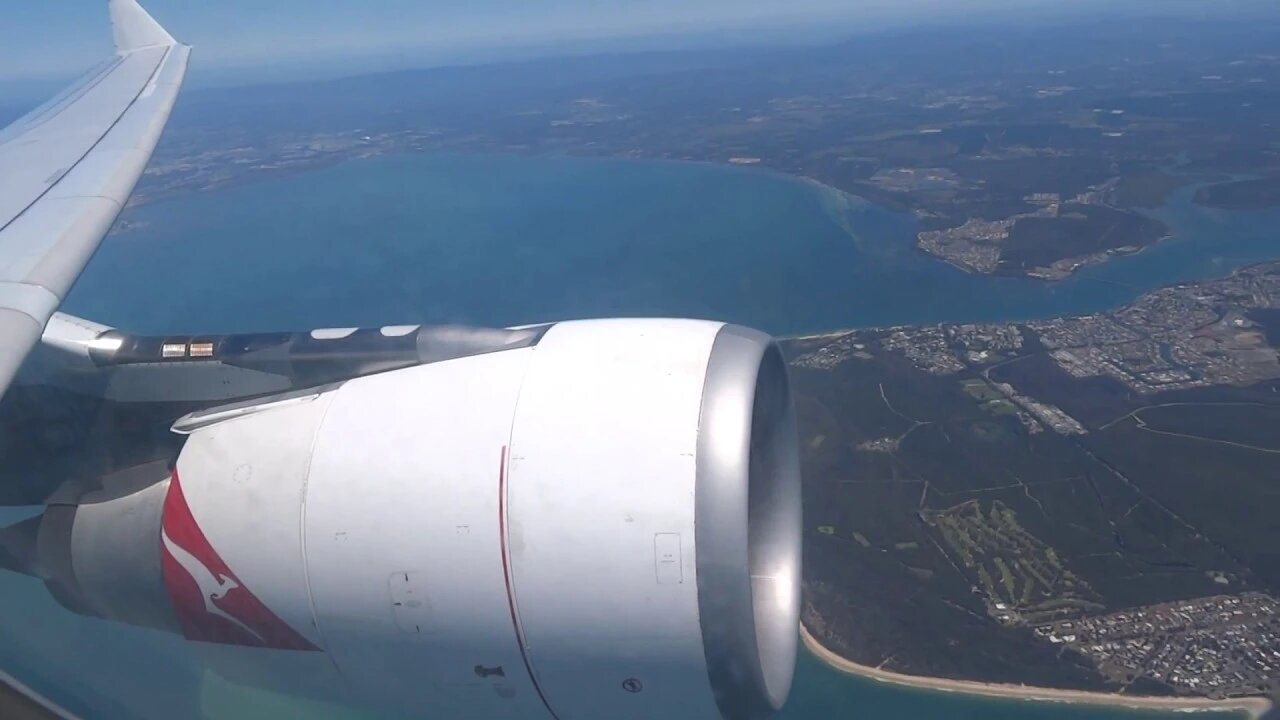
841	332
1254	707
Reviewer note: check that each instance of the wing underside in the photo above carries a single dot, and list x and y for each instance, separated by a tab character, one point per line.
69	166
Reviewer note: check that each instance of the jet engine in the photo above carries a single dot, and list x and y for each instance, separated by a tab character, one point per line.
603	522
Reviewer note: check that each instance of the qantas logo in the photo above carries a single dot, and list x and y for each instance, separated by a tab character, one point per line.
211	603
211	588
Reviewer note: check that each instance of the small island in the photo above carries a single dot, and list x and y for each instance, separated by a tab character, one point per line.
1049	243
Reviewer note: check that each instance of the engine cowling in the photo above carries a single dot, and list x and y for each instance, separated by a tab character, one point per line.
604	524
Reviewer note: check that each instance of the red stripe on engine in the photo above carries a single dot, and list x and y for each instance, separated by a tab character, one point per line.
506	575
210	602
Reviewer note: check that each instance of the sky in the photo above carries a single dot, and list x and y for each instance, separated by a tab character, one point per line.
55	39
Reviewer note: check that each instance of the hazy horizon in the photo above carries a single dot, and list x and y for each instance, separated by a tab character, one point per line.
43	41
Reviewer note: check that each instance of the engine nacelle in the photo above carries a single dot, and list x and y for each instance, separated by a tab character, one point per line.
604	524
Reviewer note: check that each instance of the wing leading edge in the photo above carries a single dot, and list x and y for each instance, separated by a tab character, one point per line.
67	169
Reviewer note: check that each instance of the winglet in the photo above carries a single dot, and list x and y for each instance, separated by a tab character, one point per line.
134	28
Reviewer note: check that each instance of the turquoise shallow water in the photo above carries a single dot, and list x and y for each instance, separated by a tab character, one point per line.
502	240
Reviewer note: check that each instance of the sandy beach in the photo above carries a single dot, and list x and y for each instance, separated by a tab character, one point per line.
1255	707
818	336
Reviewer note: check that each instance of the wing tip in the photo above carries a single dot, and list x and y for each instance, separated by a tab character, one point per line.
134	28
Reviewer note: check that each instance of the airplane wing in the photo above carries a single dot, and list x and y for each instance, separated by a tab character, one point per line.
67	168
